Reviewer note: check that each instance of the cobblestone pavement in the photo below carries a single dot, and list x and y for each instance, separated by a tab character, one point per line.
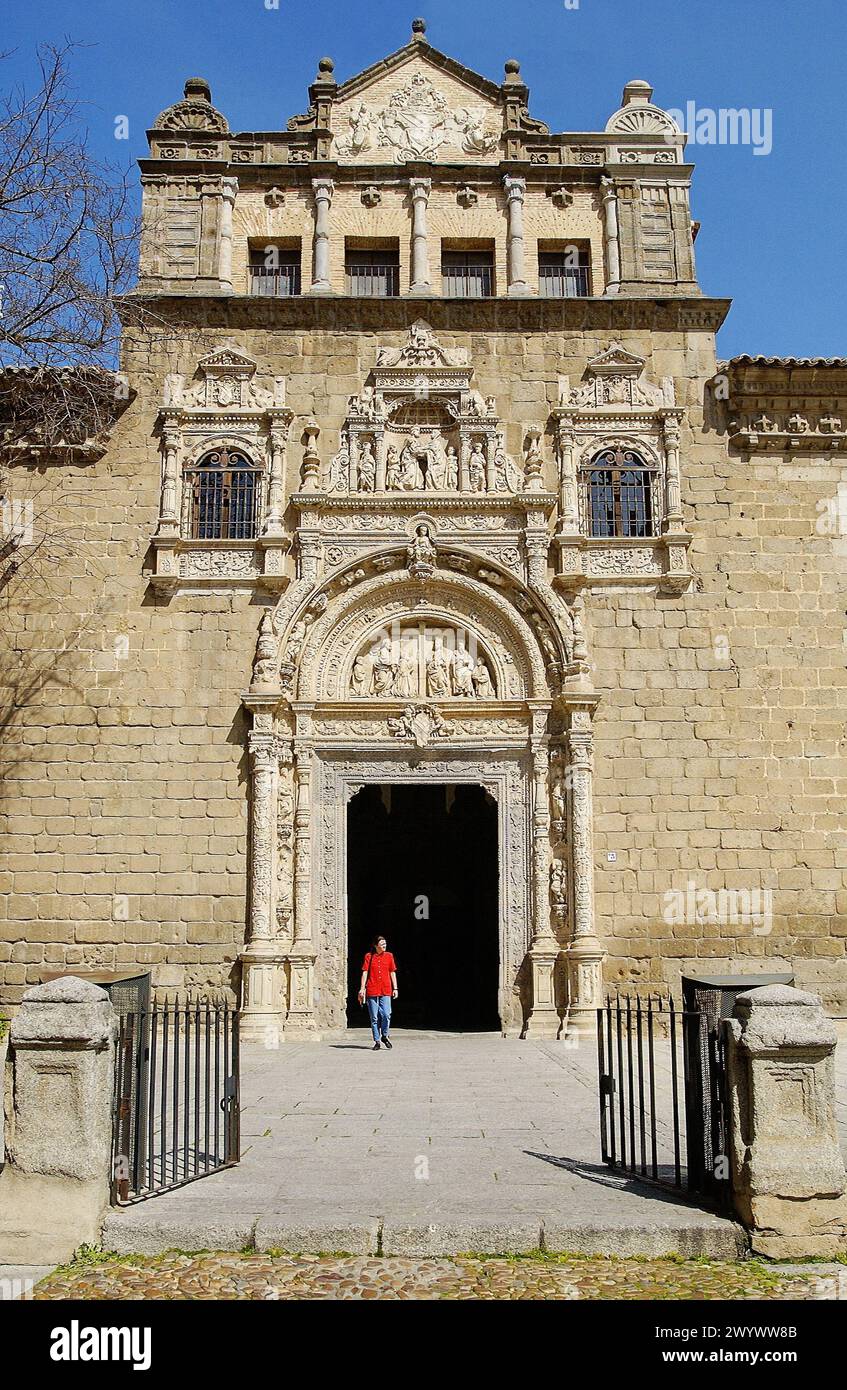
269	1277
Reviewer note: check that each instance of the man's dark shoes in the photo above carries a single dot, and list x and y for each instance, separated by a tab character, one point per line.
386	1043
375	1047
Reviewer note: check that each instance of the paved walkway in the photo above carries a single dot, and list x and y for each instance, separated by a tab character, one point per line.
446	1144
265	1277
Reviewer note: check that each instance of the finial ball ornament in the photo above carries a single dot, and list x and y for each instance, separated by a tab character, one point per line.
418	26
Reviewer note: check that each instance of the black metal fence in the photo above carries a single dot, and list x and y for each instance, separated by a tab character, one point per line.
176	1115
662	1096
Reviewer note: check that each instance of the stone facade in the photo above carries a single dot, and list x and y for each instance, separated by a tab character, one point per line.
422	590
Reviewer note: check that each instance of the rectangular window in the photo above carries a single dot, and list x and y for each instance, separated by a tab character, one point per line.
274	269
564	273
468	273
373	272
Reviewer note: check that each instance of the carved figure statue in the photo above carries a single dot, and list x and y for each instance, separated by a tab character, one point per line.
476	468
482	680
406	681
367	469
451	470
360	677
384	669
463	668
267	647
438	673
393	470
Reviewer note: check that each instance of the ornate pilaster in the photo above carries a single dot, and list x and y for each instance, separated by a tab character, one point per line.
584	954
611	236
420	190
263	970
673	499
568	524
229	189
323	190
280	425
515	194
169	511
543	1020
301	960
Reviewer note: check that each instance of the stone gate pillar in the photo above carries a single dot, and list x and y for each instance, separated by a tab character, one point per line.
584	954
54	1188
786	1170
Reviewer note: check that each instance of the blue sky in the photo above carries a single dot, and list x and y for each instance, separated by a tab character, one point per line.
772	234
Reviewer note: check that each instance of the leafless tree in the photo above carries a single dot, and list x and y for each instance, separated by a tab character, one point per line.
68	237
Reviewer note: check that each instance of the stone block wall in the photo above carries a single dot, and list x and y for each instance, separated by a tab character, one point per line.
720	757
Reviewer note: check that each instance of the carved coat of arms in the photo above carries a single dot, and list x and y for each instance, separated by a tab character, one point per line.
415	124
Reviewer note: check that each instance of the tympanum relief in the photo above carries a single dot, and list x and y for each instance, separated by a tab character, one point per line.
423	661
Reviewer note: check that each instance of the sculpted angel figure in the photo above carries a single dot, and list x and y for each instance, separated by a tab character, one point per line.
360	127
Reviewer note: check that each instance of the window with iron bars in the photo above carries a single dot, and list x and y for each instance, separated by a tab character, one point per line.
225	490
620	495
275	271
564	274
467	274
372	273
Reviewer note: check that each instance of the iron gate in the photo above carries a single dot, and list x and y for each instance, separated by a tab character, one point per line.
176	1111
663	1096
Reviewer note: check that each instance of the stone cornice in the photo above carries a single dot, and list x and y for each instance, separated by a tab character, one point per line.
665	314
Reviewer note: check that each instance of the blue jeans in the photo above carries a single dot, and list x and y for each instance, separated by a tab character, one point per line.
379	1008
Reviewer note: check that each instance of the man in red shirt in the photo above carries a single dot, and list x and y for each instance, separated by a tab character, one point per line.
378	988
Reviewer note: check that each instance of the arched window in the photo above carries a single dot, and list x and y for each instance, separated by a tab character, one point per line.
224	494
620	495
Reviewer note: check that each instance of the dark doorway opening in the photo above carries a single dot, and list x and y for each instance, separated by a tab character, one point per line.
422	872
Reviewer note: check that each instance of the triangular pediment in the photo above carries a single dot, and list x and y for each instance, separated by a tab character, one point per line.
417	104
225	360
616	359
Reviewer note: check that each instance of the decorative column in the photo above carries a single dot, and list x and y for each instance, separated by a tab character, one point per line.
262	964
611	236
170	507
543	1020
229	189
280	424
310	477
420	189
584	954
568	500
673	498
515	193
323	189
301	961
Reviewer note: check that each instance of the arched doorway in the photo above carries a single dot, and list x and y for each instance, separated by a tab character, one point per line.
422	870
